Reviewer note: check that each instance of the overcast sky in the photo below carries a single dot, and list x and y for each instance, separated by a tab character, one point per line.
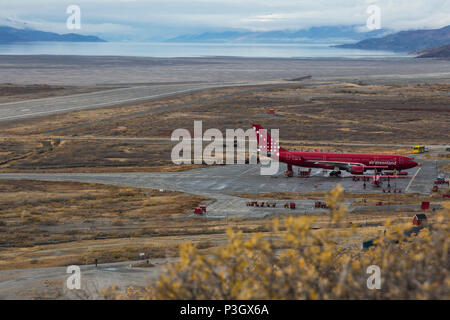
159	19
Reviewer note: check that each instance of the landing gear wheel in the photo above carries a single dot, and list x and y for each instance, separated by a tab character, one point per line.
289	174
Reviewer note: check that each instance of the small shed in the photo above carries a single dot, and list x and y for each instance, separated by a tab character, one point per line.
419	219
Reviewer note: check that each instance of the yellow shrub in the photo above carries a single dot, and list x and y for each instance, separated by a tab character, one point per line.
314	266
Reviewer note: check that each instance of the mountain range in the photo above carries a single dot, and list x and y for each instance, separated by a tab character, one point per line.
442	52
12	35
325	33
405	41
434	43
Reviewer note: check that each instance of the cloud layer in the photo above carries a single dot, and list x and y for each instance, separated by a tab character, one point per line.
159	19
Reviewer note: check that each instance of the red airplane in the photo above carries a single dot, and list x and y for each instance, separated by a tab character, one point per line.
355	163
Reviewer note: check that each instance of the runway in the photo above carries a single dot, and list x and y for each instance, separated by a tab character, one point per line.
105	98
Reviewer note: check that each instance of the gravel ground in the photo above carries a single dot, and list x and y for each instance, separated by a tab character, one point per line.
89	70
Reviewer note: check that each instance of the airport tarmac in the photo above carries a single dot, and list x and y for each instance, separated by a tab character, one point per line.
222	183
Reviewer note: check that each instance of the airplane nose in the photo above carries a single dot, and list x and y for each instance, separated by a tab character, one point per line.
413	164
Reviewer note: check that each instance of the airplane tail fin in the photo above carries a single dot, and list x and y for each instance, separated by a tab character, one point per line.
271	145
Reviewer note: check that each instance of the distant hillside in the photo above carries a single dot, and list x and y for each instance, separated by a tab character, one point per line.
340	33
442	52
405	41
11	35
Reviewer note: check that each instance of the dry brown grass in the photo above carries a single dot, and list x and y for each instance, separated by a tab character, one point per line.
35	213
313	265
53	155
56	224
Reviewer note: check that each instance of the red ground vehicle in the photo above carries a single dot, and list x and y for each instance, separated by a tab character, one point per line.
441	181
320	204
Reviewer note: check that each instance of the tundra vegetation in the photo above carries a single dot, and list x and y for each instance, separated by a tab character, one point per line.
311	265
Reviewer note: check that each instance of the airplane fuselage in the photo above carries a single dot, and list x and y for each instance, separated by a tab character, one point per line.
346	161
355	163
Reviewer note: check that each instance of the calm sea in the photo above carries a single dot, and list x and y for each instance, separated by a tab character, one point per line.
166	50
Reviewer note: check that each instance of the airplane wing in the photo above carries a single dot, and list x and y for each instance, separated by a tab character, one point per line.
339	164
371	176
393	177
346	165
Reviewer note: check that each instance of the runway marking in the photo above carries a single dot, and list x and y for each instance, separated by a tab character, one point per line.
59	97
412	179
253	168
103	104
86	94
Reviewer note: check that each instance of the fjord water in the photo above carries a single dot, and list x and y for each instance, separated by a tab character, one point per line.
170	50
